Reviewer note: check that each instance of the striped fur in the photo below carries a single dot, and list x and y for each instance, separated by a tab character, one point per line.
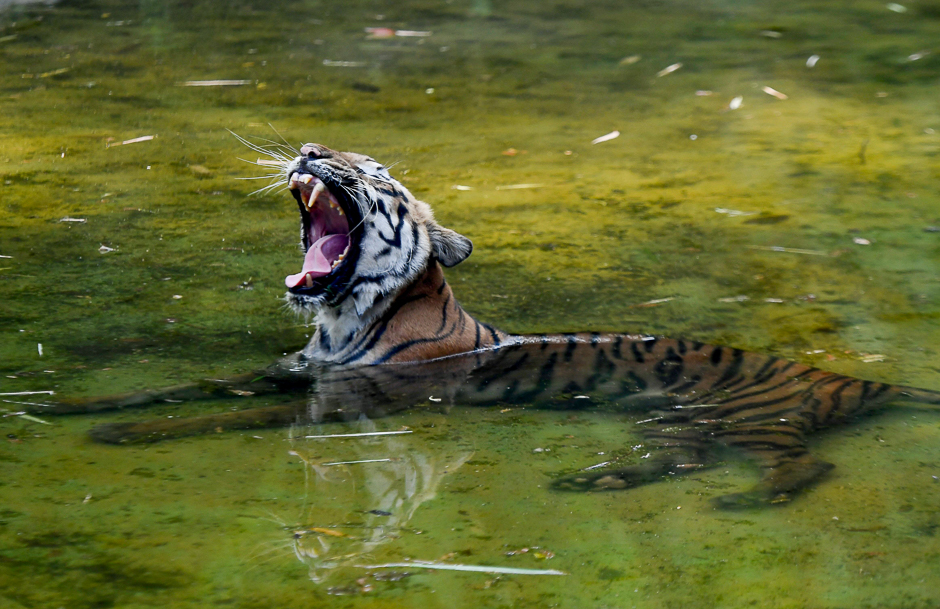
390	333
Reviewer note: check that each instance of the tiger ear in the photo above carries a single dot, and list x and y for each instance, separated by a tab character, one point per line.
450	247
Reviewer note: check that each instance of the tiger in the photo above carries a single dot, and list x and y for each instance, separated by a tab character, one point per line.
390	334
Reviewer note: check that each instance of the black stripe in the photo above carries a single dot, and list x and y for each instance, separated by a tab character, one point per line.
716	356
636	353
733	368
443	315
615	350
570	348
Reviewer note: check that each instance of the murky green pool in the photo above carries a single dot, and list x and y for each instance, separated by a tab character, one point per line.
776	192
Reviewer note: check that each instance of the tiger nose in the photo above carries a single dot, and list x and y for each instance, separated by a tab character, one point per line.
310	150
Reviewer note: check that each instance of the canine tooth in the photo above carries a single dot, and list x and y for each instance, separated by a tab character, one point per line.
319	188
307	178
309	281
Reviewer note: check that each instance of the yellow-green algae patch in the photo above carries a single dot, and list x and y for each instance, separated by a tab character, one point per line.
803	227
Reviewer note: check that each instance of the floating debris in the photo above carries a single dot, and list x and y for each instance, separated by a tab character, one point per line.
734	299
360	435
870	358
734	212
456	567
590	467
916	56
773	300
774	92
356	462
31	392
53	73
771	34
788	250
343	64
6	256
30	417
652	303
326	531
214	83
412	33
736	102
39	347
630	60
461	187
519	186
704	93
811	61
860	241
143	138
510	152
668	70
380	32
70	219
606	138
434	399
897	8
104	249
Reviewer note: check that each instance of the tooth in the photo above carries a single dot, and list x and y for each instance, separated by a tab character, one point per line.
305	197
307	178
319	188
309	281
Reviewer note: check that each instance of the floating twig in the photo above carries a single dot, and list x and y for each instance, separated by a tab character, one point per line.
28	403
775	93
668	70
355	462
214	83
69	219
30	393
420	564
343	64
652	303
788	250
360	435
143	138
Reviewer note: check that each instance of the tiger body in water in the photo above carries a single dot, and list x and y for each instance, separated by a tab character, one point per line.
390	333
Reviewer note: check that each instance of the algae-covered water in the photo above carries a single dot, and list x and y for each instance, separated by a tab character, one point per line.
777	191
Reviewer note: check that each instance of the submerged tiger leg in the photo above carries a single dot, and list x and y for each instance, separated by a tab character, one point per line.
164	429
672	453
785	462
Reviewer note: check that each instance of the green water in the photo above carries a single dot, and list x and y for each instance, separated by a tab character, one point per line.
843	174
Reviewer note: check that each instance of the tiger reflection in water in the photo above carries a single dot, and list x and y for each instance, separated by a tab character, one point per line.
360	501
390	333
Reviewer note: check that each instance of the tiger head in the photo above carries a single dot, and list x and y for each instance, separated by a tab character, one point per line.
365	237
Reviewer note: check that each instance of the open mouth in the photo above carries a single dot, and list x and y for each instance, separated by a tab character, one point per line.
326	235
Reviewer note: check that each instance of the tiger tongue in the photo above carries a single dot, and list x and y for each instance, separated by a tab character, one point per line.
319	259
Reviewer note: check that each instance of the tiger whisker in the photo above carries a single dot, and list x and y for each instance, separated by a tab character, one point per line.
283	138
